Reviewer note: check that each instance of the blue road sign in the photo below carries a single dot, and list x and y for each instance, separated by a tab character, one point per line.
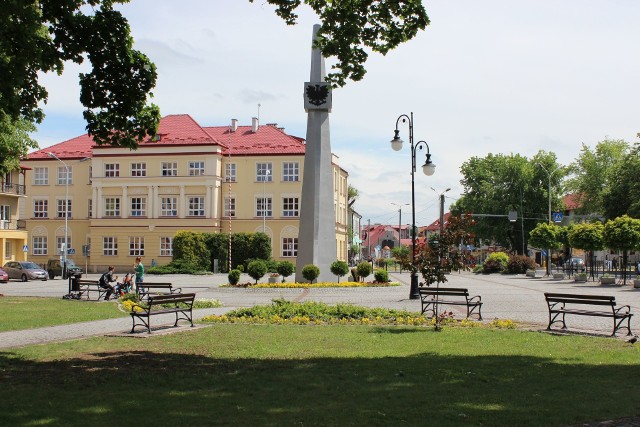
557	217
71	251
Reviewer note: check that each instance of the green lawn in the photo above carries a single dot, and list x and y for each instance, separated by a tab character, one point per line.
29	312
234	374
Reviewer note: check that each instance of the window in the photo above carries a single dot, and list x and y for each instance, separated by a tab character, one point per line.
263	206
65	175
109	246
138	206
290	171
138	169
60	244
289	246
111	170
41	208
39	245
169	206
230	172
41	176
136	246
61	210
90	207
230	207
166	246
112	206
169	169
8	249
196	206
290	206
264	172
196	168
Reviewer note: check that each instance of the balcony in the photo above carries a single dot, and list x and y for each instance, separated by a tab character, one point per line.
19	224
16	189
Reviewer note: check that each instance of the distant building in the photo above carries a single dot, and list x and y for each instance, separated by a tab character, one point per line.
13	231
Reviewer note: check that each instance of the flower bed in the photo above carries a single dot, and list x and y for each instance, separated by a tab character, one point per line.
315	285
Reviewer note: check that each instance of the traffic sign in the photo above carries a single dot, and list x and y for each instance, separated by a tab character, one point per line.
71	251
25	248
557	217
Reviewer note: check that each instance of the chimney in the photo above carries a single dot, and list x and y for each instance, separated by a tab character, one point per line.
234	125
254	124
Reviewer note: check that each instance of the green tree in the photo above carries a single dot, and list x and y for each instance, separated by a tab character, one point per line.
622	234
339	268
256	269
15	142
622	192
285	269
591	174
363	269
402	254
310	272
191	248
587	236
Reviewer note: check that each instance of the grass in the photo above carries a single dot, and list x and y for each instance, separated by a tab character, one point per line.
230	374
31	312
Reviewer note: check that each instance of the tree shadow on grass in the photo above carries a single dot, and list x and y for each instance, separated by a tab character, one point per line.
153	388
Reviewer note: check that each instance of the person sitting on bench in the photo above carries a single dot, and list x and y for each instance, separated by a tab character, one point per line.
105	282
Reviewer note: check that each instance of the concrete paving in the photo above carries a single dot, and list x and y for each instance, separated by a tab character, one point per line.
514	297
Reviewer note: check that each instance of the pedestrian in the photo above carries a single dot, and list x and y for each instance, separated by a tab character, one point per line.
105	281
139	269
615	263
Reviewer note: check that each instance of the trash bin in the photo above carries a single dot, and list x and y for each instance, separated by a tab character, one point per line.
74	286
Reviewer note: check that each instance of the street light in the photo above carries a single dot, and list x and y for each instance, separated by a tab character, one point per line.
441	198
428	168
549	191
399	219
66	213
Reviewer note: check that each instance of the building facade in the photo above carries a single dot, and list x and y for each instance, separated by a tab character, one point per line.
123	203
13	231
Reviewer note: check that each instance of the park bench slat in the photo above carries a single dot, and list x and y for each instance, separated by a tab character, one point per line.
430	299
160	304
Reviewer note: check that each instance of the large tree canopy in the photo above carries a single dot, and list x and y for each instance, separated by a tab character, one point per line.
622	195
40	35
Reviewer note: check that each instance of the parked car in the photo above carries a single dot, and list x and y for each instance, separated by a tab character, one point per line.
4	277
54	268
575	263
24	270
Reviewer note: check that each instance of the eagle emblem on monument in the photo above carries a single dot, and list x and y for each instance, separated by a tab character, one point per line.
317	96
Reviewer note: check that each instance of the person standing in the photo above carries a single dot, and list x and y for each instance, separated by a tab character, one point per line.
139	269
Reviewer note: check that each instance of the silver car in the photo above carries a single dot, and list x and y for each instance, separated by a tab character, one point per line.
24	270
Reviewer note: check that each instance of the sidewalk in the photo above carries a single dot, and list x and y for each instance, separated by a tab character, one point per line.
518	298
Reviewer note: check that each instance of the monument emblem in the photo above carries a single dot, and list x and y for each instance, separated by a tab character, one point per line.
317	96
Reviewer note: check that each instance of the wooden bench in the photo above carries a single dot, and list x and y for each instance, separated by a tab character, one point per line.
180	304
146	289
85	287
557	304
432	297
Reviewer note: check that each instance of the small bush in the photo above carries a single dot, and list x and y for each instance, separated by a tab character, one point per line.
310	272
519	264
495	263
381	276
240	268
234	277
285	268
363	269
257	269
339	268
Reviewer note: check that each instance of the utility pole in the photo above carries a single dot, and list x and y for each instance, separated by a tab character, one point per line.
369	237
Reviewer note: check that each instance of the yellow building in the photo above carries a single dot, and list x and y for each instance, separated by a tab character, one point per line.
13	231
125	203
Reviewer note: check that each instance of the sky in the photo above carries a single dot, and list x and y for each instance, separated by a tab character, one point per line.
493	76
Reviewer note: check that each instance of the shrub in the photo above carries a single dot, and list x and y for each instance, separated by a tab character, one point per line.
496	262
177	266
257	269
339	268
285	268
519	264
234	277
310	272
240	268
363	269
381	276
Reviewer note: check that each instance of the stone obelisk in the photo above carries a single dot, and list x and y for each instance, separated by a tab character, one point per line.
317	234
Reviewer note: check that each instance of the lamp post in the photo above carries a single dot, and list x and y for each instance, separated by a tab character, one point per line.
549	194
428	168
441	198
66	214
400	220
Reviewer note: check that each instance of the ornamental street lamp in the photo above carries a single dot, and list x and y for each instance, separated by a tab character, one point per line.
66	214
549	191
428	168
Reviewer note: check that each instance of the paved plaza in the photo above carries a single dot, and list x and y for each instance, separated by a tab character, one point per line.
514	297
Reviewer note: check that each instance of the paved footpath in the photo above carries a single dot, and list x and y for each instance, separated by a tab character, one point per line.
518	298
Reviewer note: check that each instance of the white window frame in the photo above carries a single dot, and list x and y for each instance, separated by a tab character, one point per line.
264	172
264	207
136	246
60	242
196	167
63	177
230	172
138	206
109	246
40	208
169	206
291	171
291	207
139	169
39	245
41	176
289	247
169	168
166	246
230	206
60	208
195	206
112	206
111	170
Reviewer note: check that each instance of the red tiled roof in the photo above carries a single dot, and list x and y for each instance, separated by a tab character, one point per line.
435	225
572	201
269	139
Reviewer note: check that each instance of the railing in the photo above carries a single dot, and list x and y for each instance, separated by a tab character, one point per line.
6	224
13	189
